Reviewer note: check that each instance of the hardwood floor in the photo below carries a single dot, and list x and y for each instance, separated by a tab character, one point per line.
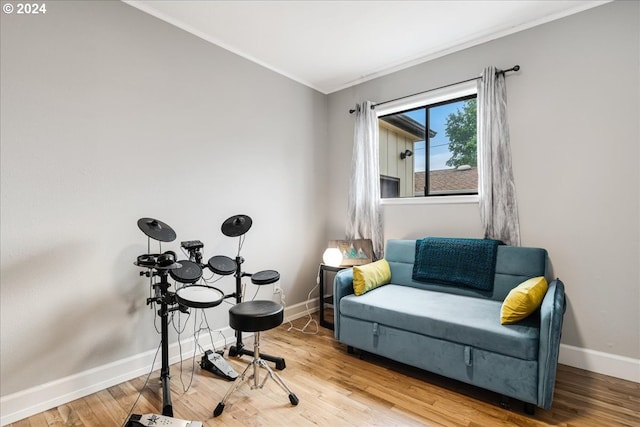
339	389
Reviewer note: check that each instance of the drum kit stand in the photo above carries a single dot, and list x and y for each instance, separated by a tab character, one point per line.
194	295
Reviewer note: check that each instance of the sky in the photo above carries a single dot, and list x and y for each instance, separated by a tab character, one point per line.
440	143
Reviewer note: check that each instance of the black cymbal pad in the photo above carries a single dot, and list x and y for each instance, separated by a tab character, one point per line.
156	229
236	225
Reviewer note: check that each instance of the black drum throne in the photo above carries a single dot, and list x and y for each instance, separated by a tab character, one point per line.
252	316
255	316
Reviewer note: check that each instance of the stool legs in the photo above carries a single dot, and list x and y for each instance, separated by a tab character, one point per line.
256	363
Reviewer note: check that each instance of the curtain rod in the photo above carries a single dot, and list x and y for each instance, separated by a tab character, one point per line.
514	68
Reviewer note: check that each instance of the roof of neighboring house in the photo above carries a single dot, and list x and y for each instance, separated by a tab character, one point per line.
448	180
407	124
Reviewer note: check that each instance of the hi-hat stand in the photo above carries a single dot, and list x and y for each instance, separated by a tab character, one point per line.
165	299
160	265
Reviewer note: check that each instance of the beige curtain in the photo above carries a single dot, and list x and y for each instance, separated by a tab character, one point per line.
497	190
364	213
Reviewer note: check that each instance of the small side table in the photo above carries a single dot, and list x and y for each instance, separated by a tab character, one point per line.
328	300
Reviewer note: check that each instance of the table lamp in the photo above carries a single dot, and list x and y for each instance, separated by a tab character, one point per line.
332	257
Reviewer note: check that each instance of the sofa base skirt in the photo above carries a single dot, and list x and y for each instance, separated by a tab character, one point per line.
502	374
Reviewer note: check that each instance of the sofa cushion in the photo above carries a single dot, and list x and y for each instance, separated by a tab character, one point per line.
370	276
513	265
466	320
523	300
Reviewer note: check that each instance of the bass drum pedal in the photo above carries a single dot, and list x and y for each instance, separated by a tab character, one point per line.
215	363
154	420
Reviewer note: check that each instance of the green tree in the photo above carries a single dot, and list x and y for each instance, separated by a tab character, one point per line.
463	136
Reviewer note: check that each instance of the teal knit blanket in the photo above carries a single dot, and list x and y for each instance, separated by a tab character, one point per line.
458	262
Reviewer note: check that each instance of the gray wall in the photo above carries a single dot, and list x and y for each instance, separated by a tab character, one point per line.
574	114
110	115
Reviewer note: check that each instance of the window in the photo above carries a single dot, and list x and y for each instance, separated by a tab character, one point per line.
389	187
428	144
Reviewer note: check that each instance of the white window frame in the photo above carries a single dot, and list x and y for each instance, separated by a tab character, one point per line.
432	97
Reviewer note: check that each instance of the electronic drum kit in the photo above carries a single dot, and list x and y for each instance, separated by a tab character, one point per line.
189	272
189	292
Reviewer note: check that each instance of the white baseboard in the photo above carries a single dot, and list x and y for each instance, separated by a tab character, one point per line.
26	403
613	365
301	309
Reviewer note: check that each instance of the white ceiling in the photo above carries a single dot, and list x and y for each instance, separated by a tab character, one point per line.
331	45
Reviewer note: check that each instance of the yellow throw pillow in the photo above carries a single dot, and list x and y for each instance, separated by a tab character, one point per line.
370	276
523	300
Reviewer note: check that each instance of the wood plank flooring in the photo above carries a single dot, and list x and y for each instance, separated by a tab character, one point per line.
339	389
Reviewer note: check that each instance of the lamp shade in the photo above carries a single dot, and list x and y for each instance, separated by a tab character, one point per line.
332	257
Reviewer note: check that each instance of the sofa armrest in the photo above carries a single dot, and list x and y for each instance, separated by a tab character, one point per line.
551	316
342	286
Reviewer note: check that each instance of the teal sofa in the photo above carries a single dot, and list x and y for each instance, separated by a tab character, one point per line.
455	331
